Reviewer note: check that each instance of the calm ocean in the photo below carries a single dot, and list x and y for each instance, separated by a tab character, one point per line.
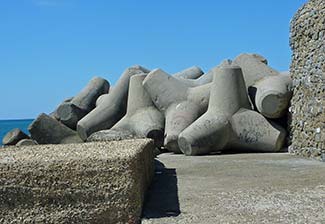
7	125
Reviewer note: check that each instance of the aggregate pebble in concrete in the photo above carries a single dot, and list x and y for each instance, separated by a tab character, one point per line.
307	127
98	182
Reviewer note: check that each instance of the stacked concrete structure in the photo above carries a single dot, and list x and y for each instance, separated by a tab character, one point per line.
189	112
235	105
307	126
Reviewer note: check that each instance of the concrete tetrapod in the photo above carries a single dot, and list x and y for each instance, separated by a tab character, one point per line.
70	113
213	129
285	73
217	128
254	68
206	78
271	95
240	60
142	119
268	89
101	99
26	142
14	136
181	104
54	114
46	130
193	72
252	131
110	111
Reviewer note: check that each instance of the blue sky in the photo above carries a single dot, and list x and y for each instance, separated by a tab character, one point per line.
50	49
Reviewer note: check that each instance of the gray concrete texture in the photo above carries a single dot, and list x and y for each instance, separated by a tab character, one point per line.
101	99
228	121
164	106
14	136
206	78
181	104
86	99
110	111
142	119
77	183
193	72
69	113
54	114
236	188
212	129
46	130
269	91
272	95
183	98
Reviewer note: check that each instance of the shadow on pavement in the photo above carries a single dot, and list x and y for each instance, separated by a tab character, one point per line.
162	196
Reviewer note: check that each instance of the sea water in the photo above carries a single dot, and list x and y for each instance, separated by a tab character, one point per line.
7	125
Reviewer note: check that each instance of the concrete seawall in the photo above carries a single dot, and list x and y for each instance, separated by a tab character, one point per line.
102	182
308	74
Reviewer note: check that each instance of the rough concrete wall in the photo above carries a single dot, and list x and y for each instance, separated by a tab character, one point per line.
308	73
102	182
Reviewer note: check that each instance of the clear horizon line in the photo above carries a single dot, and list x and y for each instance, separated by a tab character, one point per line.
16	119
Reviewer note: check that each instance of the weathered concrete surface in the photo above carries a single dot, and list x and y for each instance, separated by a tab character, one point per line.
271	95
70	113
270	92
236	188
47	130
14	136
193	72
142	119
205	78
228	122
181	104
113	107
26	142
77	183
